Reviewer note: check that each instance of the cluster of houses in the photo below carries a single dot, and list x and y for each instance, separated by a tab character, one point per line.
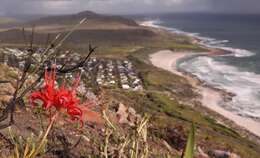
128	77
102	72
106	75
112	73
12	57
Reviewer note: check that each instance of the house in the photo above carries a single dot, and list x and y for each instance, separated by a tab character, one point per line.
125	86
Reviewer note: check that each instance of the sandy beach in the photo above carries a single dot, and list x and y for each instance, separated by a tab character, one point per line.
210	98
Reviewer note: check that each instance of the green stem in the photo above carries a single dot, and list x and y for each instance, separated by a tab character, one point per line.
45	135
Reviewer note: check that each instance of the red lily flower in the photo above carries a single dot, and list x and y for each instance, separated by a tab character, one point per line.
59	98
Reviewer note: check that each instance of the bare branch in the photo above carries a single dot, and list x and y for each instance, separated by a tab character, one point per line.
24	36
80	64
32	38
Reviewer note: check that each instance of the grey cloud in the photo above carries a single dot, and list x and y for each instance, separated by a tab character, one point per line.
127	6
236	6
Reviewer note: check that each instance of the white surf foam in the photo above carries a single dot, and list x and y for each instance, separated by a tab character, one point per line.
151	23
238	52
205	41
220	44
246	85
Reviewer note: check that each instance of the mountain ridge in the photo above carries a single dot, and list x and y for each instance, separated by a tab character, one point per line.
74	18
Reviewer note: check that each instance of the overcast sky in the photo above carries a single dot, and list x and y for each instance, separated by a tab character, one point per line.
127	6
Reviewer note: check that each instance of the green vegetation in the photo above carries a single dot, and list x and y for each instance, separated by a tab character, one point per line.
189	150
28	148
165	98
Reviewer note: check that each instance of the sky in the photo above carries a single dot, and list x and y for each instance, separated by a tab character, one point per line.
127	6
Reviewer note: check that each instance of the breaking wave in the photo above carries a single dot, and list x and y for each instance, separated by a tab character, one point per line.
205	41
245	85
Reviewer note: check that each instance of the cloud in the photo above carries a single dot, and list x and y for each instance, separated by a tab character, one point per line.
127	6
235	6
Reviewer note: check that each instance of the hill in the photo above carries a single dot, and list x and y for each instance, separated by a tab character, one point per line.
99	29
94	20
115	35
6	21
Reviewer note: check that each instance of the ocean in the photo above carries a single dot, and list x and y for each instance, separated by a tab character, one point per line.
237	73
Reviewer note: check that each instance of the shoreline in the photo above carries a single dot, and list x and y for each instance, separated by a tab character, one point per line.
210	96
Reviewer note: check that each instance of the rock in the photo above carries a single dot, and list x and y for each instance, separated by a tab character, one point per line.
222	154
219	154
175	137
5	98
202	154
122	114
233	155
131	111
85	138
127	115
132	116
6	91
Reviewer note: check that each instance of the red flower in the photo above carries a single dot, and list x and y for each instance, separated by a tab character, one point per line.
59	98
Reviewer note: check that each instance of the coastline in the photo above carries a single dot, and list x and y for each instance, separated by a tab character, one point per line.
210	97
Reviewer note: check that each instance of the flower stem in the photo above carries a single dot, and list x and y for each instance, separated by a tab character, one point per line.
53	118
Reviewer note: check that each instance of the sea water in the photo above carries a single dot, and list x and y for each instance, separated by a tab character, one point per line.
238	72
